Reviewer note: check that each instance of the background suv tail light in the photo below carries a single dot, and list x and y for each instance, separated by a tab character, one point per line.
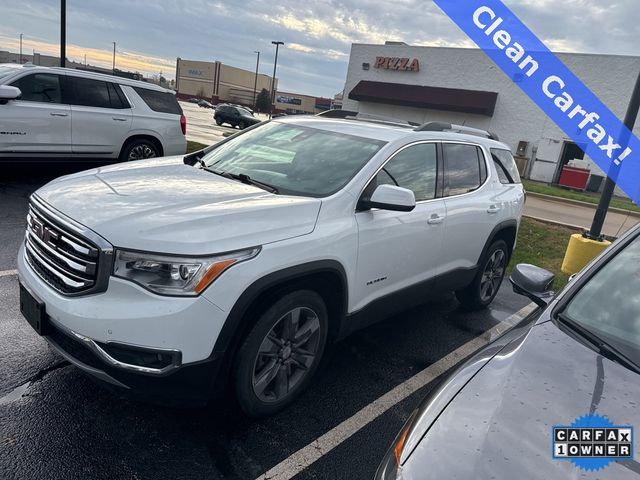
183	124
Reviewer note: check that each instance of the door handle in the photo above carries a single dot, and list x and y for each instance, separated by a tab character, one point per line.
117	119
57	114
493	209
435	219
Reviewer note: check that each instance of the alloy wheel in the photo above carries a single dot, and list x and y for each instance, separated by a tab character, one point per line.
140	152
492	275
286	354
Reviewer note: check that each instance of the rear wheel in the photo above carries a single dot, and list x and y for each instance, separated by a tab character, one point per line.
139	149
481	292
279	356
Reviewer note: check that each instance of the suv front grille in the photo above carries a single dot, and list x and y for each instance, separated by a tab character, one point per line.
64	259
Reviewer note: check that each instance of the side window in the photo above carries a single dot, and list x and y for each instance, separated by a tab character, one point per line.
462	167
505	165
415	168
118	100
89	93
40	87
162	102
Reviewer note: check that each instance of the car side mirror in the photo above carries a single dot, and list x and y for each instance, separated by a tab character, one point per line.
391	197
533	282
8	92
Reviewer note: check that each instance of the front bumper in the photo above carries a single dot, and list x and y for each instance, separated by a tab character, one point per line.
87	329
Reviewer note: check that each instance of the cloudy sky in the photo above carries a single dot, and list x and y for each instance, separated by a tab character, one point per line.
318	33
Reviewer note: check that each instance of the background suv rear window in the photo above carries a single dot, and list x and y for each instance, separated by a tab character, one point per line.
159	101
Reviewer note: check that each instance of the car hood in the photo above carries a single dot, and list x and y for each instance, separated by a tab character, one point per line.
499	425
166	206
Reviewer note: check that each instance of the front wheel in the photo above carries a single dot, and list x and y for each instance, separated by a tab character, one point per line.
242	126
279	356
481	292
218	121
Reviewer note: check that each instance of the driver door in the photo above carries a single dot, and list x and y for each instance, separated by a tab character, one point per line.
38	122
398	250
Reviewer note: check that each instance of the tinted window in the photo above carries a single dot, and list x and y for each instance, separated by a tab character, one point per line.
609	305
89	92
40	87
163	102
462	167
414	168
505	165
294	159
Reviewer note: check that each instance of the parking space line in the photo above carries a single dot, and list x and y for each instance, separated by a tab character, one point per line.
306	456
8	273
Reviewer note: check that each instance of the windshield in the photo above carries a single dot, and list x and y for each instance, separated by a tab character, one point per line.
6	72
242	111
296	160
609	304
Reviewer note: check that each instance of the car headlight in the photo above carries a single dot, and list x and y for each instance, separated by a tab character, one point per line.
168	275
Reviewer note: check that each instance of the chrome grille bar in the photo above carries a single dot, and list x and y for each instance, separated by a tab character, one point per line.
57	252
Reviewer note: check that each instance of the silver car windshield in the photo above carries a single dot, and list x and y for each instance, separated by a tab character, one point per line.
609	303
294	159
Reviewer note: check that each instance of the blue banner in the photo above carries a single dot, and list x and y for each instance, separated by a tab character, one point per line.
552	86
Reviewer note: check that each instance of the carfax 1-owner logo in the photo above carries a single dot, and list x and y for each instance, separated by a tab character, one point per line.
592	442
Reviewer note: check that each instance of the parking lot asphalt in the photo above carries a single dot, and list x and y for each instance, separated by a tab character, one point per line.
55	423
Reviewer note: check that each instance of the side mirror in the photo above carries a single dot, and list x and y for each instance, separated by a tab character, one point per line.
8	92
390	197
533	282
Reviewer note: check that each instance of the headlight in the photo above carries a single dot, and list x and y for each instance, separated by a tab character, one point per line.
169	275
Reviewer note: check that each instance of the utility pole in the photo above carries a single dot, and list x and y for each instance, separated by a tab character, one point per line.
595	233
20	48
273	80
85	59
63	33
114	58
255	82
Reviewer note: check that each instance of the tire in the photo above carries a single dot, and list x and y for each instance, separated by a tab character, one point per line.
481	292
218	121
271	368
242	126
138	149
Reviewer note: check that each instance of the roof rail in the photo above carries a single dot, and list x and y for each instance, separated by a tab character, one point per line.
367	117
442	126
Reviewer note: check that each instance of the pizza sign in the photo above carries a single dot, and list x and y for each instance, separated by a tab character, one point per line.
398	63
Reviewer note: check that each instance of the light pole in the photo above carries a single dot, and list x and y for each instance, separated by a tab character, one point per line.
255	82
63	32
114	58
273	80
20	48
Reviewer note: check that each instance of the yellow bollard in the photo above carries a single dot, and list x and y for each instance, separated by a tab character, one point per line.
581	251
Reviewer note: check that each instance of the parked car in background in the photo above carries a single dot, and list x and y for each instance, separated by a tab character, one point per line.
65	113
235	116
194	100
205	104
238	264
578	356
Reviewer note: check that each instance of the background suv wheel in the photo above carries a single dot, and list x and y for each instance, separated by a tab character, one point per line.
139	149
481	292
281	353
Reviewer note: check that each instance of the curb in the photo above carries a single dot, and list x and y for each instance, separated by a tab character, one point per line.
577	228
592	206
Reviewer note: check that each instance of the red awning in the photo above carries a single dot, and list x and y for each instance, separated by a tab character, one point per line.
435	98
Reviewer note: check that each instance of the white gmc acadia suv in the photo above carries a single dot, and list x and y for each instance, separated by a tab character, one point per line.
49	113
174	277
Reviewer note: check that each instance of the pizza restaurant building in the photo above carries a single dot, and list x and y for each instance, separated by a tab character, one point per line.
463	86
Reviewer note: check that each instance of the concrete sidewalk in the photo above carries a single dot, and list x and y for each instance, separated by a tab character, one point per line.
578	215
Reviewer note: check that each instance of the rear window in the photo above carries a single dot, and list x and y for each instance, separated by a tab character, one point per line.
462	166
505	165
159	101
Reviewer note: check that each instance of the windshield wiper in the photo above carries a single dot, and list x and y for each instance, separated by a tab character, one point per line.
244	179
602	347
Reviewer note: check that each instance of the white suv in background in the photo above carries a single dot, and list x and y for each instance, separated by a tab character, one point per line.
237	264
49	113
